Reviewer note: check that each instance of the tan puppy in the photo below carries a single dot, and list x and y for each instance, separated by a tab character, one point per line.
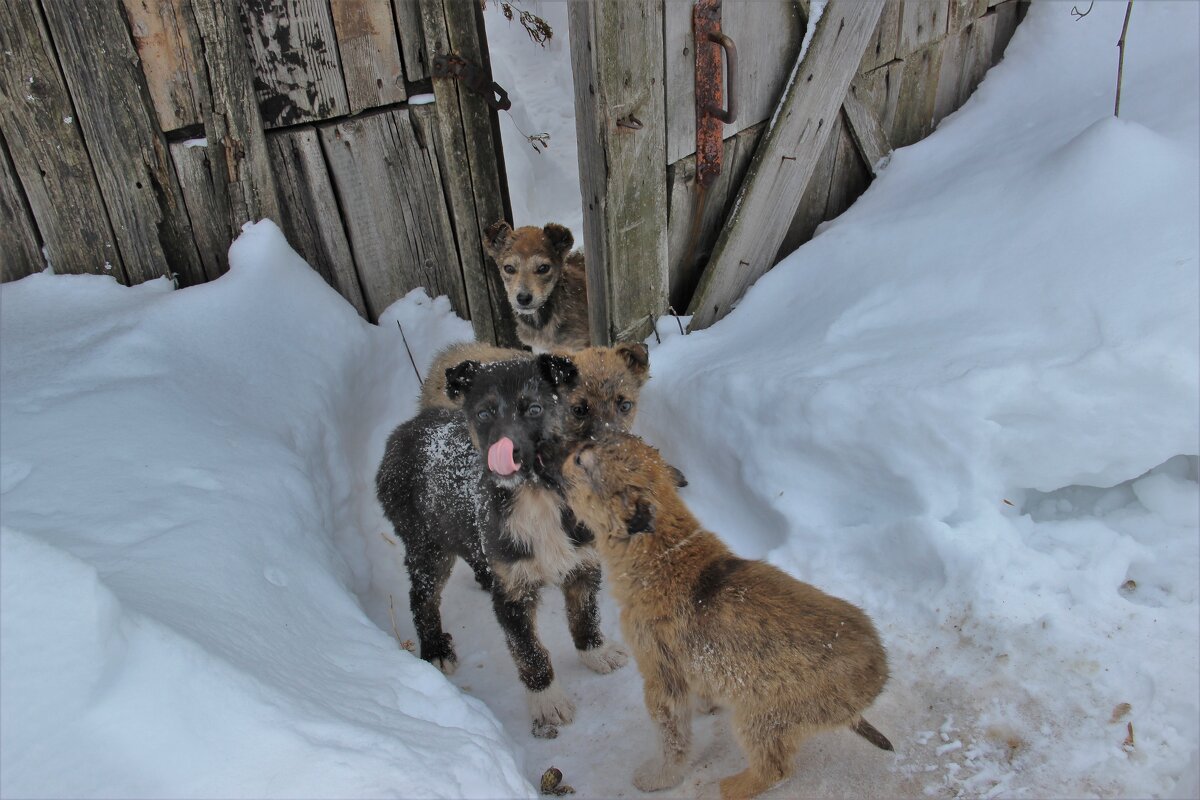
433	389
788	659
545	283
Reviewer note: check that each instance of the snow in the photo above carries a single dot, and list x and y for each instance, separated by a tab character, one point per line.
969	405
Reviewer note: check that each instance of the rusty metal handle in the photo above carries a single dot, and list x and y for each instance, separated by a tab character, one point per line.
729	114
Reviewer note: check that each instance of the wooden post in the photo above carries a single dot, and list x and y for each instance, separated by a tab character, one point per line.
786	158
617	61
127	147
468	133
237	148
48	154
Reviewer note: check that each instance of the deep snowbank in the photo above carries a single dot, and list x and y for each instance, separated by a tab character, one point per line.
176	618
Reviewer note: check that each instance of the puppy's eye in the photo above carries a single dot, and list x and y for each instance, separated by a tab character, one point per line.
534	410
509	269
579	410
484	414
543	269
625	406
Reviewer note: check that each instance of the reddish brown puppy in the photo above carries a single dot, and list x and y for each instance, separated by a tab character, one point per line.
786	658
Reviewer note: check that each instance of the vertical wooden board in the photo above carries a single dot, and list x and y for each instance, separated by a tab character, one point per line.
811	211
237	149
297	71
311	219
366	36
921	22
128	151
946	95
47	149
617	64
882	47
468	150
768	35
913	119
161	35
1006	25
20	251
850	176
786	158
879	91
206	206
690	240
395	213
977	56
412	40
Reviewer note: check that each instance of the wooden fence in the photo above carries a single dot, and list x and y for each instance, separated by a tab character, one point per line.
137	136
655	240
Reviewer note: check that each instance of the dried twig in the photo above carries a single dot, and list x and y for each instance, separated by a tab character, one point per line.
678	321
411	360
538	141
654	327
392	616
538	29
386	539
1075	12
1121	61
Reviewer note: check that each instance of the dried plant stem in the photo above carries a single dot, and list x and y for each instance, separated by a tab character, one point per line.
1121	60
411	360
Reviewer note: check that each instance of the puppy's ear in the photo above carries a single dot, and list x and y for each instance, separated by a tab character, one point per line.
496	238
637	359
641	515
559	371
459	379
560	240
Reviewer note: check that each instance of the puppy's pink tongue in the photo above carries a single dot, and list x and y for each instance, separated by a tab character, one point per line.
500	457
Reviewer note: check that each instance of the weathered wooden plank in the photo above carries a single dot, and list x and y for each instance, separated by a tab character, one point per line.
237	149
963	13
617	62
768	34
950	74
850	175
786	158
1007	16
47	148
396	218
866	130
882	47
879	90
366	36
913	119
921	23
207	211
811	211
976	56
161	35
468	136
690	240
128	151
412	40
294	54
20	250
311	219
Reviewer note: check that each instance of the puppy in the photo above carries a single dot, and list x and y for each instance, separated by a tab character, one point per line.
481	484
788	659
545	283
433	389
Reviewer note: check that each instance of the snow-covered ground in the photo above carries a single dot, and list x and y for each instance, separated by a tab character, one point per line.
968	405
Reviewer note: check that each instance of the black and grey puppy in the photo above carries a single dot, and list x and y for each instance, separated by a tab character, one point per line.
480	483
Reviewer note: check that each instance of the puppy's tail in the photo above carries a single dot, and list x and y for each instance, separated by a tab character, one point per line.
871	734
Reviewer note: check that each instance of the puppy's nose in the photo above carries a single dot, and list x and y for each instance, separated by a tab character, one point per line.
524	298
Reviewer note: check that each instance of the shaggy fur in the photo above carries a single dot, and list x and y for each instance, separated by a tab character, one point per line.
433	390
545	284
514	531
788	659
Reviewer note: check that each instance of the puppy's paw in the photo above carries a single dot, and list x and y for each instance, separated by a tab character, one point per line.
656	774
441	654
606	658
550	707
447	664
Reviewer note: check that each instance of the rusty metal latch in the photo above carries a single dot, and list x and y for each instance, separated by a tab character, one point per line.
473	77
712	114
